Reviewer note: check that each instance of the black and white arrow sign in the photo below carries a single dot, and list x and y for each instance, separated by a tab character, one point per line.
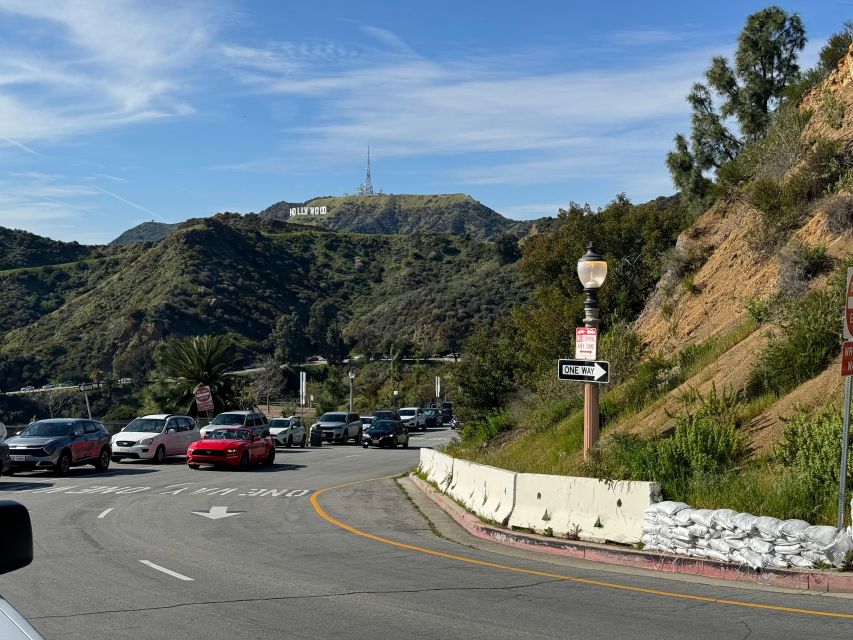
215	513
584	371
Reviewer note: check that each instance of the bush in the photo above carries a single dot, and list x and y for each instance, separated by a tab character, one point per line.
809	337
839	210
810	447
799	263
486	428
832	109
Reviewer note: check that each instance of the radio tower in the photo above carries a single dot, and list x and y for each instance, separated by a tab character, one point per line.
366	188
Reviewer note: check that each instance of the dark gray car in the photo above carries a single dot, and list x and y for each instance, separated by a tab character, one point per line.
59	444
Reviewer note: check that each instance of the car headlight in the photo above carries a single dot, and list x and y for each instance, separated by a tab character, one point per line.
146	441
231	451
49	449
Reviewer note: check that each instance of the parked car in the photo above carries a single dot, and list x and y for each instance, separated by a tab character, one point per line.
413	418
155	437
339	426
447	411
17	553
249	419
386	433
288	431
28	388
234	447
386	414
59	444
431	417
366	421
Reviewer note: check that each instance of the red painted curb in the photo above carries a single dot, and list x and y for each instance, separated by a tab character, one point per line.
802	580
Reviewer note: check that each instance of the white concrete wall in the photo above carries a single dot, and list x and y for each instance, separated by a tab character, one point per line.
487	491
603	511
438	467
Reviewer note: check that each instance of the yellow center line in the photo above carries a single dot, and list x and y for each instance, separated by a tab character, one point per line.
545	574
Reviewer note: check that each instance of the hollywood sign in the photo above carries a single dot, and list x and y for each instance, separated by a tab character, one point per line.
307	211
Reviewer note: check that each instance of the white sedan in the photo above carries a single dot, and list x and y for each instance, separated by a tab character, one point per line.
288	431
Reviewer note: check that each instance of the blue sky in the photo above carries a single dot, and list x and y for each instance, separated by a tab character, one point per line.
116	112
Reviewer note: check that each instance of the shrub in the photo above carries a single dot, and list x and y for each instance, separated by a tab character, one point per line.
809	337
810	447
759	309
839	210
799	263
832	109
486	428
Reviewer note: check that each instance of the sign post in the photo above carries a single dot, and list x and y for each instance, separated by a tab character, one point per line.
303	384
85	388
584	371
437	390
203	398
847	372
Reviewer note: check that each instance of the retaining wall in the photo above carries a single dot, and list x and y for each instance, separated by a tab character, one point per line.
487	491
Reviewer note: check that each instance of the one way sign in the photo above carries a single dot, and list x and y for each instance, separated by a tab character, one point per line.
584	371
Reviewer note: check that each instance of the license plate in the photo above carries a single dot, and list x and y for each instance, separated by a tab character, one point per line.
19	458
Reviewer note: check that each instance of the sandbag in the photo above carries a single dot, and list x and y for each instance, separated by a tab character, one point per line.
751	558
768	526
702	543
744	521
839	548
698	530
666	521
821	535
650	527
733	535
760	546
737	543
723	518
716	555
681	533
800	562
787	549
667	507
794	528
814	556
704	517
680	544
772	560
719	545
683	518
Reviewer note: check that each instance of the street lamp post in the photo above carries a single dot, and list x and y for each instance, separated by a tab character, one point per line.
592	270
351	379
396	393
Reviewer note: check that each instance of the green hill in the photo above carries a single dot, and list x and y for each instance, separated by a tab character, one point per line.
24	249
456	214
236	275
145	232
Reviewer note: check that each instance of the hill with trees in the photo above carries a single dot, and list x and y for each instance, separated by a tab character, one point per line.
145	232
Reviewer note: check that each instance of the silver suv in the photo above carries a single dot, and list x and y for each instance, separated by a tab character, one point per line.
59	444
339	426
248	419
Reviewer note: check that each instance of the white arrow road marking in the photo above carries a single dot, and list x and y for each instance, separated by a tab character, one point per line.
216	513
104	513
597	371
168	572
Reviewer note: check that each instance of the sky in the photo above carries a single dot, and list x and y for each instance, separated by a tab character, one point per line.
116	112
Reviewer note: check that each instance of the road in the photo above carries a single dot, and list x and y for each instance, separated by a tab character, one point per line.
147	551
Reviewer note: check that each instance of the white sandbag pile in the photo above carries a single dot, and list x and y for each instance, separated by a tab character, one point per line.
757	541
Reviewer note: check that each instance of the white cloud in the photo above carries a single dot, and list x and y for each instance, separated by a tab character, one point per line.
95	64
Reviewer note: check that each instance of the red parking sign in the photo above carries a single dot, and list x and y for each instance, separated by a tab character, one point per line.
847	359
203	398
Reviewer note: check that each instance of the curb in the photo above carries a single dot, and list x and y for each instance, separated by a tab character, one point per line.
802	580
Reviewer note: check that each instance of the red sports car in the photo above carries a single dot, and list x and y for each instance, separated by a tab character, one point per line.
234	446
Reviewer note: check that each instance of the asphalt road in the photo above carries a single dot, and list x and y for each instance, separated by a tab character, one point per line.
126	554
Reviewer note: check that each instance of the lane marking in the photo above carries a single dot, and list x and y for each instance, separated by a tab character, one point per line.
168	572
556	576
104	513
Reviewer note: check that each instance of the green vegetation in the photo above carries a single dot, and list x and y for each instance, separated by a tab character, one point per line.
455	214
145	232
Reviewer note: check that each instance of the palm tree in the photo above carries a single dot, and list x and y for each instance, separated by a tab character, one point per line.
198	360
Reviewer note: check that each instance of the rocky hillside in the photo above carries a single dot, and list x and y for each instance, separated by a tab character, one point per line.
456	214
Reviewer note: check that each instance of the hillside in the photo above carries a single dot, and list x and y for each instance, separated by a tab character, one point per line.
236	275
24	249
456	214
145	232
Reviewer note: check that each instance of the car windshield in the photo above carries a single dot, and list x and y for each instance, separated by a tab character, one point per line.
366	419
229	418
383	425
228	434
429	412
279	422
146	425
382	414
333	417
47	429
446	405
407	412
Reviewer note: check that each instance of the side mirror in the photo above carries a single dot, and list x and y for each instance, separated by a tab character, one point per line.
17	536
170	429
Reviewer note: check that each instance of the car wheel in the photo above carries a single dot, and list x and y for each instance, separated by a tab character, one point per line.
244	461
364	445
103	461
160	454
270	459
358	437
63	464
406	443
423	428
396	442
193	466
304	441
289	442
